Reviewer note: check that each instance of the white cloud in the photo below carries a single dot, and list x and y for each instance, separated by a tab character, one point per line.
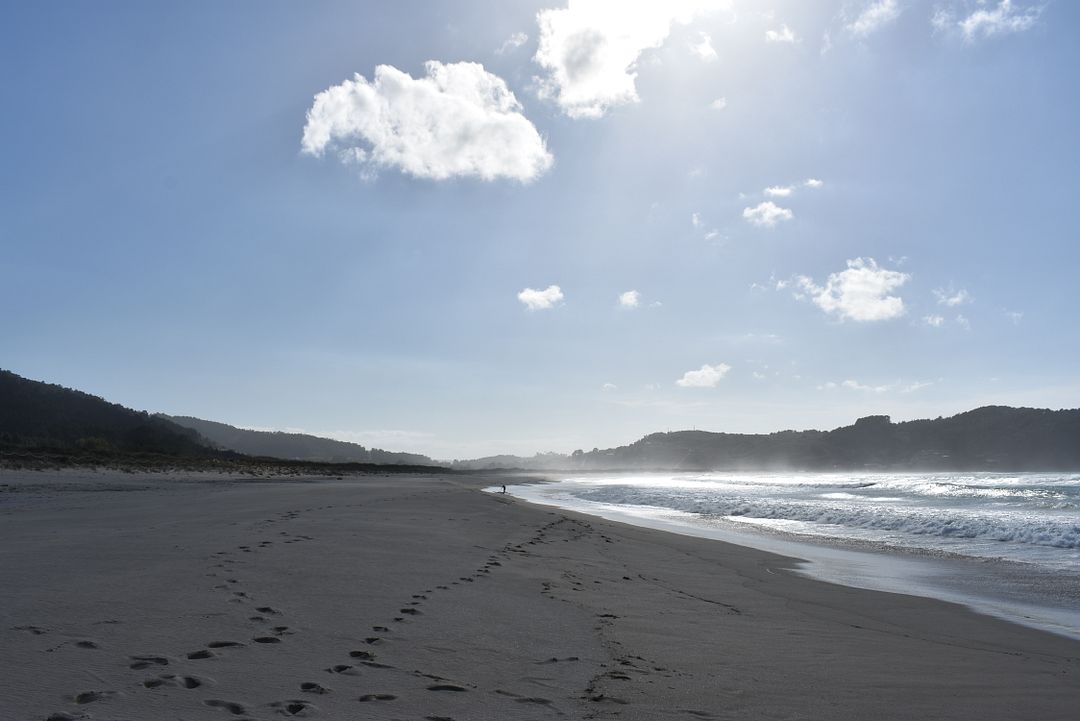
758	376
541	299
963	322
458	120
695	220
779	191
718	104
783	35
590	49
1015	316
513	42
860	293
703	48
951	298
856	386
629	299
814	183
705	377
934	321
609	387
1002	19
873	17
767	214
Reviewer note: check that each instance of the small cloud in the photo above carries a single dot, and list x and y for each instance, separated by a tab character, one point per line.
766	214
860	293
779	191
814	183
783	35
703	48
1015	316
714	234
695	220
705	377
541	299
629	299
874	16
609	387
934	321
826	43
951	298
856	386
1005	18
513	42
963	322
718	104
758	376
917	385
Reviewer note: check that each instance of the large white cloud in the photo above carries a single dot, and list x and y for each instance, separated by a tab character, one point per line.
458	120
590	49
873	17
705	377
767	214
541	299
860	293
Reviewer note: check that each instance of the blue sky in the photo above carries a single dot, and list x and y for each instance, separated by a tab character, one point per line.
823	210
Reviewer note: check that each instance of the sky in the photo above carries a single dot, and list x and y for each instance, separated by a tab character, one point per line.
469	228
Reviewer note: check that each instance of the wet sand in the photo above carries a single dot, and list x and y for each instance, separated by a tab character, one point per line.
189	596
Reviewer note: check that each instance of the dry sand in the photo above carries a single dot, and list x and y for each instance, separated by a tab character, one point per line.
156	597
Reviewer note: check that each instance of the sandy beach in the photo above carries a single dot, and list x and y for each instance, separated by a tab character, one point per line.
193	596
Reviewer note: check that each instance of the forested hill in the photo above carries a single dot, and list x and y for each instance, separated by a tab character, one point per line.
293	446
988	438
42	415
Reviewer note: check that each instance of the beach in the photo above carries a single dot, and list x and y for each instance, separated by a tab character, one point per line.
185	595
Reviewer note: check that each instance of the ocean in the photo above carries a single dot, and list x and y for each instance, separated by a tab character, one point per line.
1003	543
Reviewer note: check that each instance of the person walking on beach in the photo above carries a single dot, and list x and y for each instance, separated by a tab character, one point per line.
504	488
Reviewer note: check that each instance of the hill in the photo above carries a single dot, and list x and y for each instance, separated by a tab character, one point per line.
46	416
988	438
292	446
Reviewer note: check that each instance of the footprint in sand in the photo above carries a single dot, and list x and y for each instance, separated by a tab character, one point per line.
86	697
201	654
293	707
377	697
312	687
188	682
446	687
224	644
343	668
141	662
231	706
267	639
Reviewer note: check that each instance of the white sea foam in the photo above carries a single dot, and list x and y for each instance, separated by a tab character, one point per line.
1020	517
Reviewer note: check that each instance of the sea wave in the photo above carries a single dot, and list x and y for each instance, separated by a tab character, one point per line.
1003	525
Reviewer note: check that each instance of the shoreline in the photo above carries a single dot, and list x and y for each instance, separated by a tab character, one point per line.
998	587
491	608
